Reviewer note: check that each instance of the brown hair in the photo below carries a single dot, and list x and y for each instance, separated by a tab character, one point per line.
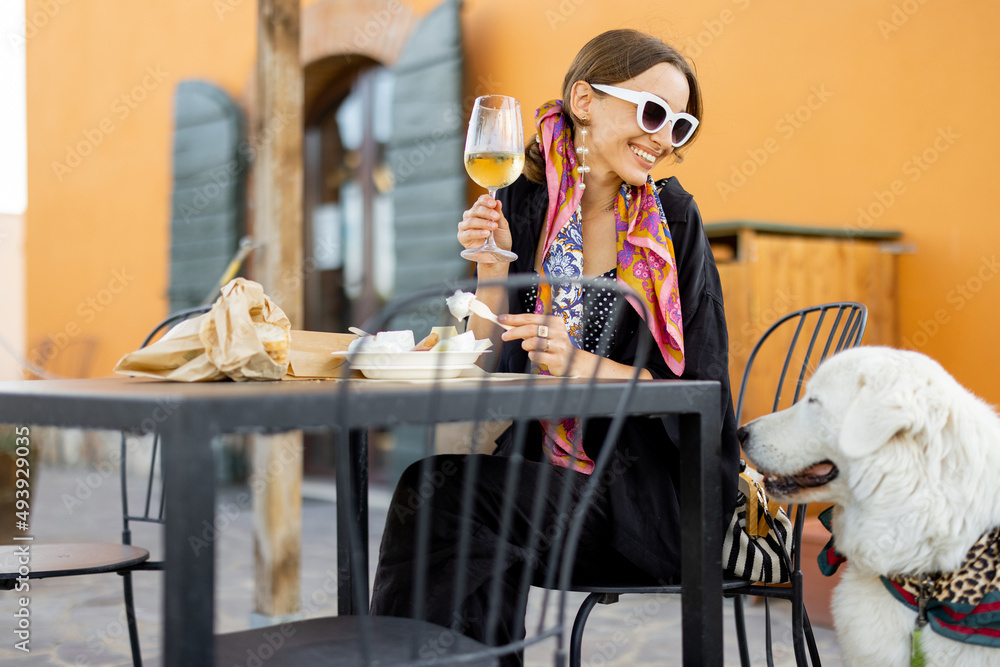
610	58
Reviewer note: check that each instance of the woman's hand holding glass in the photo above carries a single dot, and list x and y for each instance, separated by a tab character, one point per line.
484	217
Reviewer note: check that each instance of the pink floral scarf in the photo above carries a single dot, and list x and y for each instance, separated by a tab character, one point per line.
645	264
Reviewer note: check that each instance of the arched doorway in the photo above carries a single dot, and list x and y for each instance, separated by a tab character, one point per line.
348	232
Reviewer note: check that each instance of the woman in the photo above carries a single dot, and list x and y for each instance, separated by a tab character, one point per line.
629	103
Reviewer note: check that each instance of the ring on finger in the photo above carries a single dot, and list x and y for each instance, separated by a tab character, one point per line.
543	331
546	345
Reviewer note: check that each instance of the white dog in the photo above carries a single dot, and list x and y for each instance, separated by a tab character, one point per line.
912	461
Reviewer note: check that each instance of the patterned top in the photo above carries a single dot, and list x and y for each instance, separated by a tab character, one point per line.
598	305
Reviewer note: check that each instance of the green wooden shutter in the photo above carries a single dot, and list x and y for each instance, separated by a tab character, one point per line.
426	152
209	180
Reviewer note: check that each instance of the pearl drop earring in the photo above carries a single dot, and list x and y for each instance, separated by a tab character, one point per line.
582	151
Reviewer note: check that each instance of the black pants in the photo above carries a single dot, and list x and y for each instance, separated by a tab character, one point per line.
437	485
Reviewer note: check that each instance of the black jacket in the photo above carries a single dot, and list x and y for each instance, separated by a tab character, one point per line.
643	500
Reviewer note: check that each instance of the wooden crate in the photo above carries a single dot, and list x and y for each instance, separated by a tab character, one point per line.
768	270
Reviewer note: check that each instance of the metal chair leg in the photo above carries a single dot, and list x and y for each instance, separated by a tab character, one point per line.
798	633
576	637
768	644
741	631
133	628
811	639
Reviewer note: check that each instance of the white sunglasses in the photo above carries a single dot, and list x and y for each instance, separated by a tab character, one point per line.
652	113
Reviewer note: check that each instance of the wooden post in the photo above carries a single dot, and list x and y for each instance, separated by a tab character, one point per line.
277	519
277	487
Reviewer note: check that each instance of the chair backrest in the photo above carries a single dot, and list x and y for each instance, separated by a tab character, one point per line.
151	495
788	352
551	544
786	356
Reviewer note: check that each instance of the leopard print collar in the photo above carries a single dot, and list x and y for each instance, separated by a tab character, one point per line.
963	604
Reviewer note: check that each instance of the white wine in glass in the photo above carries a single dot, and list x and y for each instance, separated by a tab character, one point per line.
494	157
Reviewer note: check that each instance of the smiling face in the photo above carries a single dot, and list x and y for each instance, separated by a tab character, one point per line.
619	148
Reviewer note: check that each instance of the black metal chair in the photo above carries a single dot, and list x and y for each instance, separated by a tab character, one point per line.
74	559
388	640
786	355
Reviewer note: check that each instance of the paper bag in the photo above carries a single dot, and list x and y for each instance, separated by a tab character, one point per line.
237	337
245	336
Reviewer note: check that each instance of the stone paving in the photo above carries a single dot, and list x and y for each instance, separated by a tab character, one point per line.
80	620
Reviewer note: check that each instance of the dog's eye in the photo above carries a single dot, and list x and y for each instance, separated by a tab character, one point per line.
813	400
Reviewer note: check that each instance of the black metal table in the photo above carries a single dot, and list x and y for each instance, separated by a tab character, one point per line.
189	416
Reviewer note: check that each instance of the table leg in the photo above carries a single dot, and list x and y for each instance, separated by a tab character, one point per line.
352	517
701	548
190	534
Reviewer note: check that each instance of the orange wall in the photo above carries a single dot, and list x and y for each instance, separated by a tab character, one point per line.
97	227
888	94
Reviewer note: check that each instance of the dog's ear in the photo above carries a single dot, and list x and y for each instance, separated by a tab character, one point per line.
880	411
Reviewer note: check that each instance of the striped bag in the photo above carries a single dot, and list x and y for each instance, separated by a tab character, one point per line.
757	546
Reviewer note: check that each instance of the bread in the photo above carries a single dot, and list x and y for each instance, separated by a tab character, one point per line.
275	339
427	343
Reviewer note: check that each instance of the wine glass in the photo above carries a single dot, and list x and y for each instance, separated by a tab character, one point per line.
494	157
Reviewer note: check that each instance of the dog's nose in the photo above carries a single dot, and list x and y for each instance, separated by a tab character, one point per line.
743	433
